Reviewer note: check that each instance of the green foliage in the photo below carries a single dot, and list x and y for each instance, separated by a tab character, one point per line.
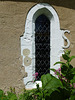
49	82
11	96
2	95
67	69
61	88
72	97
67	76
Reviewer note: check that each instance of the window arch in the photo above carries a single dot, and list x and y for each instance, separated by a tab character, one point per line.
28	41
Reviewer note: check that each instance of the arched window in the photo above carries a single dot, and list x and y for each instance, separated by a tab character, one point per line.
42	45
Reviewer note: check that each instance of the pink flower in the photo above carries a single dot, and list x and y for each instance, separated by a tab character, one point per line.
35	75
58	76
59	69
55	71
74	85
61	79
70	85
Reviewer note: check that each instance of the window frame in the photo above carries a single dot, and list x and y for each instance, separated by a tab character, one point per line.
28	40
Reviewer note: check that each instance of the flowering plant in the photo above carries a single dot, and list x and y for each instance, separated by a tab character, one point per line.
35	75
66	74
59	74
61	88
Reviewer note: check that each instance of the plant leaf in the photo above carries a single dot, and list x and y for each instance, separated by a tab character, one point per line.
73	70
1	93
59	63
54	70
72	57
67	52
73	80
64	69
50	82
65	56
72	97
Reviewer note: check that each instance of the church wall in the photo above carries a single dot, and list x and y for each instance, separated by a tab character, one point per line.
12	26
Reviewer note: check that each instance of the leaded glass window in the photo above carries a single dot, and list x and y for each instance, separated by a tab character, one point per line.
42	45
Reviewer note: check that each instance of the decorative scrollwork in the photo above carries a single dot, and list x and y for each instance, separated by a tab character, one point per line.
66	39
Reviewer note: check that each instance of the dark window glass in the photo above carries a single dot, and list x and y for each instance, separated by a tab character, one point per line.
42	45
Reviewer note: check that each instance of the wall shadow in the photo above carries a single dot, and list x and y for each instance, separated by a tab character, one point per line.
64	3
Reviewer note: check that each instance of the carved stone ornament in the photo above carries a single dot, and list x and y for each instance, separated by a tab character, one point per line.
66	39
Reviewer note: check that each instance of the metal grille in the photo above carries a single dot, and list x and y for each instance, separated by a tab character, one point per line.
42	45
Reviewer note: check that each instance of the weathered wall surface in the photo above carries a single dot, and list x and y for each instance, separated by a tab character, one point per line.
67	21
12	25
12	22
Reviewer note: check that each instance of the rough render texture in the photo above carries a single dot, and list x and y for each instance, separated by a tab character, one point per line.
12	25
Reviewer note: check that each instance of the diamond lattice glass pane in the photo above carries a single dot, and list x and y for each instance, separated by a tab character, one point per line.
42	45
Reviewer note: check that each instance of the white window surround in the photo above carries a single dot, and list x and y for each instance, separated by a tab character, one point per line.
28	39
